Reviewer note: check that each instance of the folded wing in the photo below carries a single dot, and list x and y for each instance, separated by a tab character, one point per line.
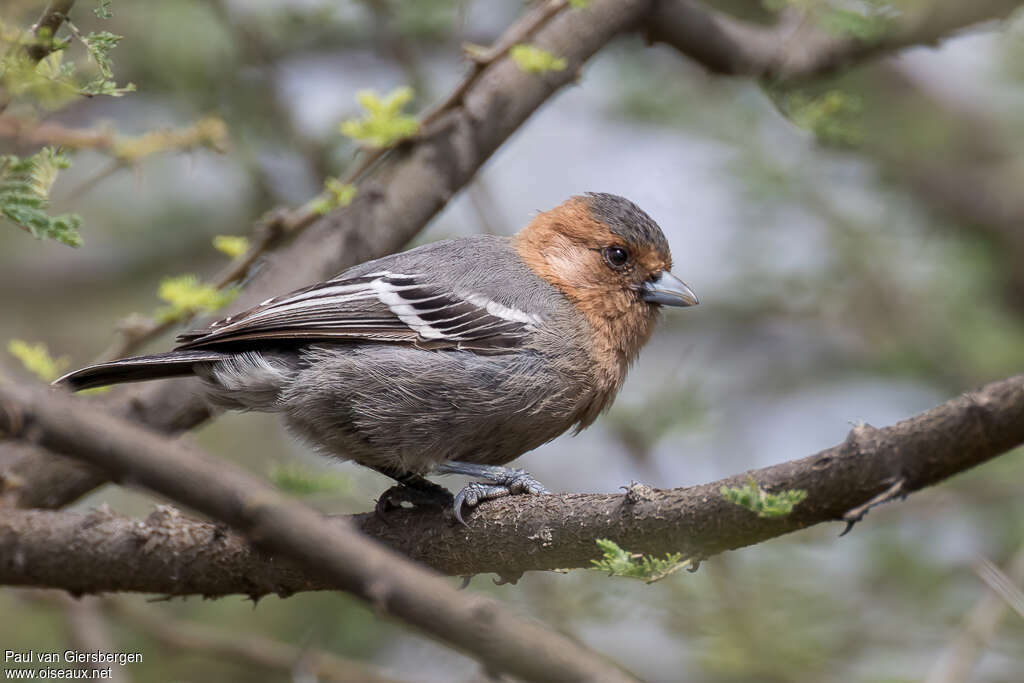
382	306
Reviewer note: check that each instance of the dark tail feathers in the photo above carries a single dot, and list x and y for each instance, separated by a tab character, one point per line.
139	369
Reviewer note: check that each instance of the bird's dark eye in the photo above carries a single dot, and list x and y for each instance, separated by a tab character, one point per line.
616	257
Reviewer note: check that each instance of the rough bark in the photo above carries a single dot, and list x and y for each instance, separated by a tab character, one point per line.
798	49
333	552
510	536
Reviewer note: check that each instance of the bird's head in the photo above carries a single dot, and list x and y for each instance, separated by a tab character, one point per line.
605	254
613	262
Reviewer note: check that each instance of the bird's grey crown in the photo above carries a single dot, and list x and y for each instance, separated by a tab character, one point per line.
627	220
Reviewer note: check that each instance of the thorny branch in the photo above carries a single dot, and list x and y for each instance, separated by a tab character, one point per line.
508	536
288	531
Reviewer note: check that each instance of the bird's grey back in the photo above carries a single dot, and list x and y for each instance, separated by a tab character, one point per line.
482	264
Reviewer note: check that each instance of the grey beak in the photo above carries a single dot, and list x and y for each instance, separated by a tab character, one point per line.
668	290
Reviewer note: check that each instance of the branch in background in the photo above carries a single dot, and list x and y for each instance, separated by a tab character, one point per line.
799	50
978	629
333	552
249	649
508	536
86	620
46	28
392	206
87	629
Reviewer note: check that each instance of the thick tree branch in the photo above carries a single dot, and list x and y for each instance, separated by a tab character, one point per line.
798	49
46	28
332	552
170	554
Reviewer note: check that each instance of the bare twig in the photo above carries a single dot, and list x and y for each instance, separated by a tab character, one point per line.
520	32
978	629
1001	584
32	133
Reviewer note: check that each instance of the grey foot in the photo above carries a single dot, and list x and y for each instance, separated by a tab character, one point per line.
501	481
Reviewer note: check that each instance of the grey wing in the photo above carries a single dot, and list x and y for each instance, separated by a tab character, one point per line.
381	306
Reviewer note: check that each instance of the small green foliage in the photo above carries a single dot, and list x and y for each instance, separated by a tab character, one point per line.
99	44
619	562
756	499
384	123
867	20
25	185
186	295
37	359
834	117
55	80
103	9
579	4
534	60
50	83
301	481
865	27
336	195
232	246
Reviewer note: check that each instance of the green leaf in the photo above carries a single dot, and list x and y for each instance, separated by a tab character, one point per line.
99	44
754	498
186	295
231	245
37	359
25	185
835	117
534	60
383	124
579	4
336	194
619	562
867	21
103	9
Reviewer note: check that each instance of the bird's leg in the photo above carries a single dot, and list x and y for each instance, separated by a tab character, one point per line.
498	482
411	488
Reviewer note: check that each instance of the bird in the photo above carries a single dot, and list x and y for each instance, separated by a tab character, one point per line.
454	357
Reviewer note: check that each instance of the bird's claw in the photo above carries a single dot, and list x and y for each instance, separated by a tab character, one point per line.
516	481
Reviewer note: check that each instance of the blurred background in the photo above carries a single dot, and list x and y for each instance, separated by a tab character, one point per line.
857	245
